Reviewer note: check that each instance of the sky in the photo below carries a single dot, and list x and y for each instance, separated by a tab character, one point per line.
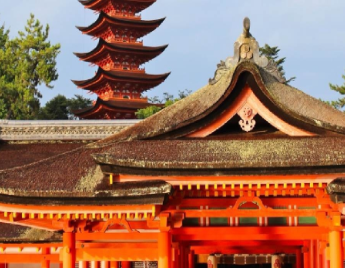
200	33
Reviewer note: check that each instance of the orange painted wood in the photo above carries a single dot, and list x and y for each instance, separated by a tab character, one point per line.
248	96
164	250
299	258
336	256
72	209
244	250
114	264
28	258
96	264
248	233
116	254
217	213
30	245
140	237
45	263
68	251
83	264
129	245
126	264
226	202
262	179
226	115
191	259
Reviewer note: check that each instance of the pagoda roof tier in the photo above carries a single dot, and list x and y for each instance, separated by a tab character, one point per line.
113	106
103	49
105	21
102	77
97	5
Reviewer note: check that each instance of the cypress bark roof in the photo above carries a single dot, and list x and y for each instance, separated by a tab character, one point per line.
203	106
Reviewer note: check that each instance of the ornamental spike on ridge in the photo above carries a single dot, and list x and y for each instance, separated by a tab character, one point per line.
120	80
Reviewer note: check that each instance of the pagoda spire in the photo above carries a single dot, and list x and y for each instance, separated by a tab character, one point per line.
119	55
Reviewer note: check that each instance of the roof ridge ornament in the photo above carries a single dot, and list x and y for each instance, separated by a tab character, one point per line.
246	48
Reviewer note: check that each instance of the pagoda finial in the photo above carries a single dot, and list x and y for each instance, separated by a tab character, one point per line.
246	48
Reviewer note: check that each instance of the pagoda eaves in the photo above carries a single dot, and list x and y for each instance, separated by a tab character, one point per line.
117	51
139	28
101	5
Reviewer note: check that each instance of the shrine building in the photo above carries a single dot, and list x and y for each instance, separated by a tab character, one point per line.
120	80
246	171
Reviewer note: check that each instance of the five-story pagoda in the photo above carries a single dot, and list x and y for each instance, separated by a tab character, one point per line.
119	81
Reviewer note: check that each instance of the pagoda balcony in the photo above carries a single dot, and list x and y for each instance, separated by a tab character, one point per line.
123	40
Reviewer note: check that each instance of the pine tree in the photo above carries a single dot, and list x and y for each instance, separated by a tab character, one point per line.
271	53
340	103
27	62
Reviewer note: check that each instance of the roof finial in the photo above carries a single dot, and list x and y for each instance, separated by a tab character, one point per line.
246	27
246	48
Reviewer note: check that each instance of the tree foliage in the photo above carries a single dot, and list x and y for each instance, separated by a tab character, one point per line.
60	107
340	103
168	99
27	61
271	53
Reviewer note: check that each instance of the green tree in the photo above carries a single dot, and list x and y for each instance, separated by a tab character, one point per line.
271	53
340	103
60	107
168	99
27	62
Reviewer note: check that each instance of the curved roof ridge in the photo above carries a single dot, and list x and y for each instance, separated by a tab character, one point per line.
203	102
286	95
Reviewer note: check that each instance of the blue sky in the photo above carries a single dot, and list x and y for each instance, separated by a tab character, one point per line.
200	33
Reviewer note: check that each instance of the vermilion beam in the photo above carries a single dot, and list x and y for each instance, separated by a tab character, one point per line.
271	243
143	237
226	202
244	250
118	254
28	258
248	233
217	213
117	245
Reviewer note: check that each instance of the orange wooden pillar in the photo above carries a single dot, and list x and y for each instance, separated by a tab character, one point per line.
126	264
312	253
68	250
164	249
325	262
176	259
306	255
96	264
191	262
114	264
299	258
45	263
83	264
336	256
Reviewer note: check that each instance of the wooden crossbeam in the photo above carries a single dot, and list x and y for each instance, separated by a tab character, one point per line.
249	233
116	254
29	258
134	236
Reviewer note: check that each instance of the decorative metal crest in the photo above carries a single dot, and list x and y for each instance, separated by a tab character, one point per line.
247	114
